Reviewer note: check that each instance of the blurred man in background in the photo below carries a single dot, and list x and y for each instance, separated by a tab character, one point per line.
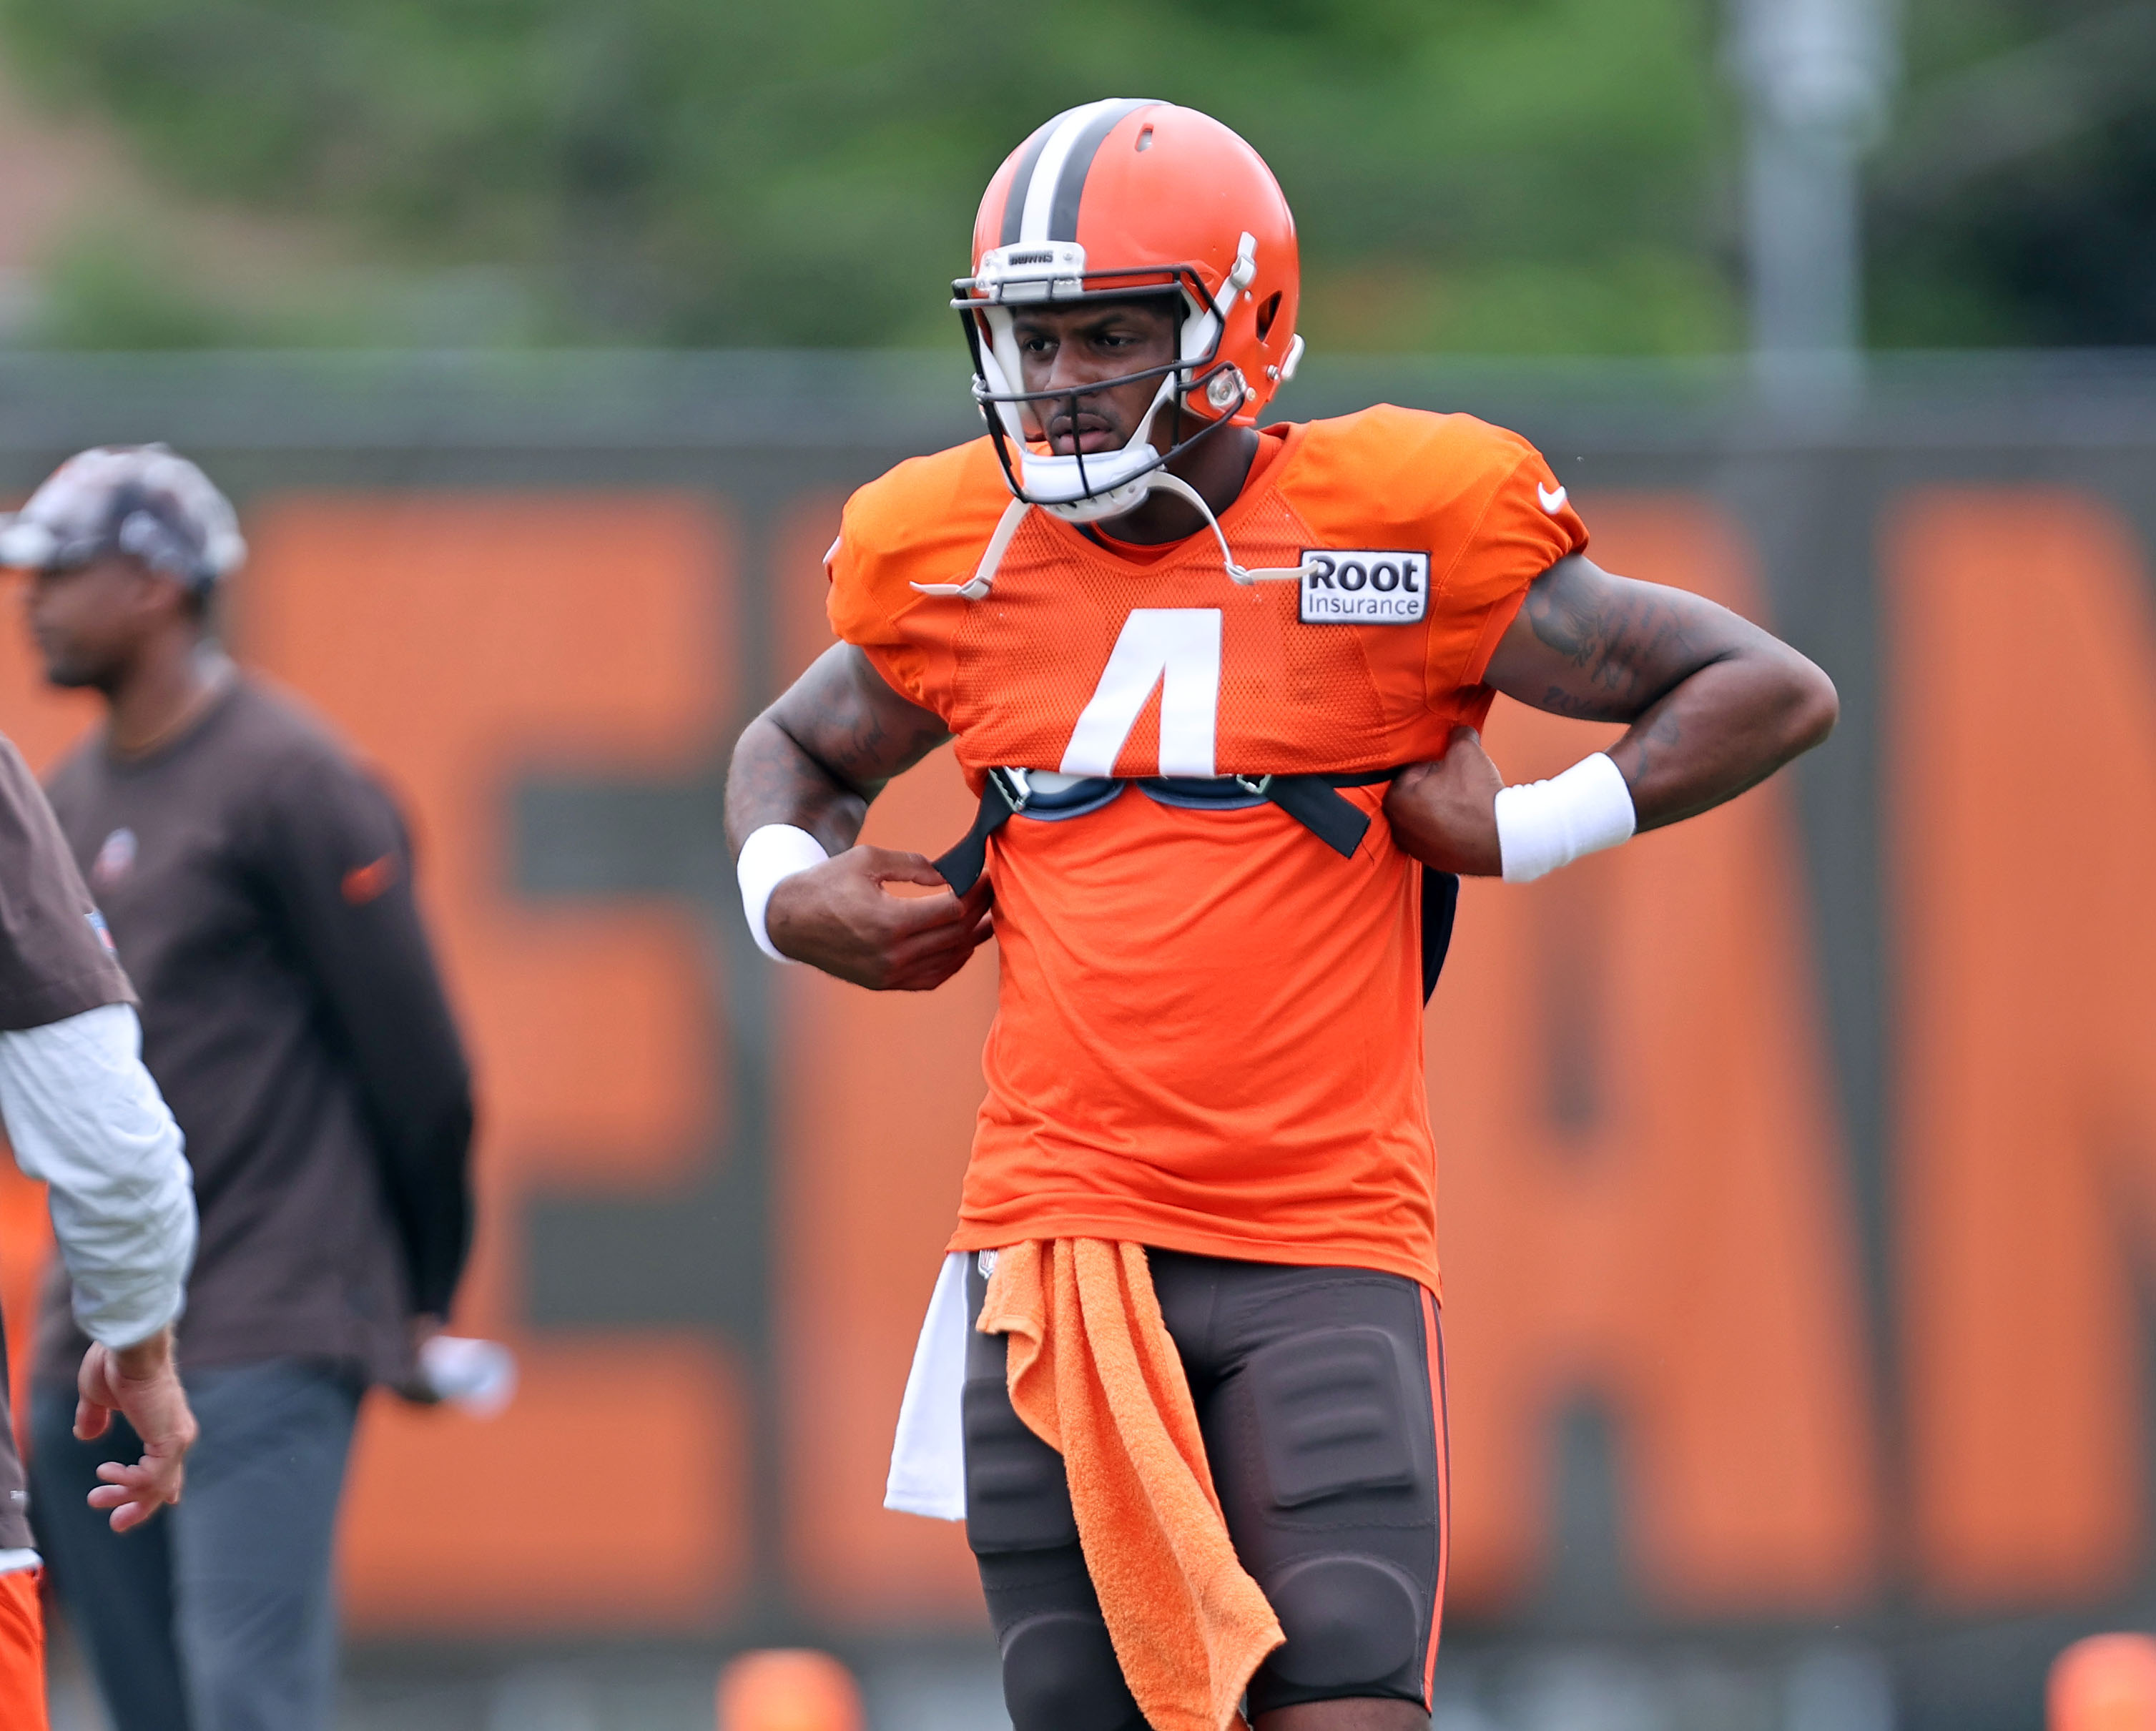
259	887
84	1118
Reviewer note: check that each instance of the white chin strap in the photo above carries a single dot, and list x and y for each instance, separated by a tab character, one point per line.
1106	486
1182	489
977	587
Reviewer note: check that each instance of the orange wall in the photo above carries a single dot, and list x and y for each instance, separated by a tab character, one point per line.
463	644
1643	1186
2024	783
875	1114
1679	1243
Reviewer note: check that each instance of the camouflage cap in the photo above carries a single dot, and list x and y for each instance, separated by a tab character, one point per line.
140	499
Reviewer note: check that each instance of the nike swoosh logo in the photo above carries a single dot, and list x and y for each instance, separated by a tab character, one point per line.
1551	502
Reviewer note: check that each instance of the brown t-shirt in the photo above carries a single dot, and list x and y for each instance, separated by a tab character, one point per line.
259	886
56	957
56	961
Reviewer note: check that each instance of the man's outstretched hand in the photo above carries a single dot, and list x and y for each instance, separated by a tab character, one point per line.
1443	813
839	917
141	1383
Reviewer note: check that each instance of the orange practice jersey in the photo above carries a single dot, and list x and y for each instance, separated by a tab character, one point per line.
1208	1036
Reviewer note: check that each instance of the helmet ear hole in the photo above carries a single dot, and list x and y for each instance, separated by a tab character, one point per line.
1267	313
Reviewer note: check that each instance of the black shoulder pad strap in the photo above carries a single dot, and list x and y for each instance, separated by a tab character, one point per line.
1314	802
962	867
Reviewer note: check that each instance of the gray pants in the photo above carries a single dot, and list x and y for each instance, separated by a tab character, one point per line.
218	1615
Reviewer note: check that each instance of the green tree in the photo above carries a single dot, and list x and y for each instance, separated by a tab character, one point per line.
2016	200
1490	174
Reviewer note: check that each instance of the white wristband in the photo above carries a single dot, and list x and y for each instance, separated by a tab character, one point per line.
1544	824
770	856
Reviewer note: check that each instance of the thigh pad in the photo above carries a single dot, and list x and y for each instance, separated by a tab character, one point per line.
1333	1416
1016	1496
1328	1461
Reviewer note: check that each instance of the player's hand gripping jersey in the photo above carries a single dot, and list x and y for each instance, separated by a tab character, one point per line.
1209	1035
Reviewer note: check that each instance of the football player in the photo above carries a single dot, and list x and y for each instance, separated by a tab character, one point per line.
1218	689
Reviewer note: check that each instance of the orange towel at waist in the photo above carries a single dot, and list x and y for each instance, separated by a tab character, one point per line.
1094	1374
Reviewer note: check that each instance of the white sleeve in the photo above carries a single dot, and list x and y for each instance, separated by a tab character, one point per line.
86	1117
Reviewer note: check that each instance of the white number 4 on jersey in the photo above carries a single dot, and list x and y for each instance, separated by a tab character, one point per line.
1177	649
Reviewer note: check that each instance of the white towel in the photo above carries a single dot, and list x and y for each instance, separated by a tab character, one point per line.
928	1455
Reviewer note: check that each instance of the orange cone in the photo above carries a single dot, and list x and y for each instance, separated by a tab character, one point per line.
2105	1683
788	1689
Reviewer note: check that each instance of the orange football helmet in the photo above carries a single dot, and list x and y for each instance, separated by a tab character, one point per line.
1114	198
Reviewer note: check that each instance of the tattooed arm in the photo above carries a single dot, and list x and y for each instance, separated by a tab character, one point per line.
1715	706
815	759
